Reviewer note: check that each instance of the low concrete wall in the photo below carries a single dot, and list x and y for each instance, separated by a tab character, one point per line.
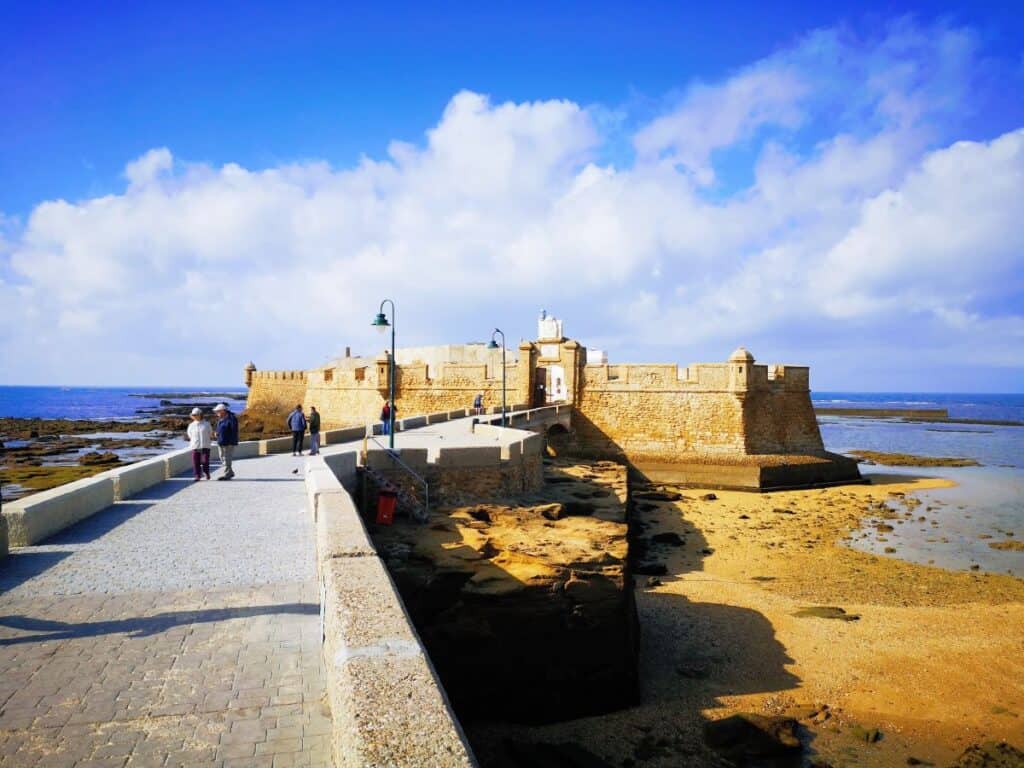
178	462
413	422
248	450
387	706
343	465
279	445
346	435
34	518
133	478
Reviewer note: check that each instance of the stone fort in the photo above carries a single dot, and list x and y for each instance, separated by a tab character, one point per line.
730	424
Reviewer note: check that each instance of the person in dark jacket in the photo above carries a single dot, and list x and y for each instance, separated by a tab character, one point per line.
386	418
314	431
297	424
227	438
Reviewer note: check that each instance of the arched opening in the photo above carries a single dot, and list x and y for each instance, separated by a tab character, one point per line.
558	440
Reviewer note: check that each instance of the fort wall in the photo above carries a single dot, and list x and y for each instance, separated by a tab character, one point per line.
354	391
735	413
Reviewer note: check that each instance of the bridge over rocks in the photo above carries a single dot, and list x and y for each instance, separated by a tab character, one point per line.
184	624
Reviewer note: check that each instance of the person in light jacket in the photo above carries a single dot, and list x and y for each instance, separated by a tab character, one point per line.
297	424
200	437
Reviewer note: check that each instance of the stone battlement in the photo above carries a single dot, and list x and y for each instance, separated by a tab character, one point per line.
731	411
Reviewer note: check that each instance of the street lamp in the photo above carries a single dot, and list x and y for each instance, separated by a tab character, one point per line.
494	345
380	322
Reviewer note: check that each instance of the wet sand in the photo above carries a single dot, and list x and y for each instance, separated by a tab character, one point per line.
934	658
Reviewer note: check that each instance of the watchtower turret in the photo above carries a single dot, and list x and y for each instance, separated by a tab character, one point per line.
741	362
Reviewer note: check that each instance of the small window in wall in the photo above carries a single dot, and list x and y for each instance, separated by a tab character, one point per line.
360	374
740	368
329	375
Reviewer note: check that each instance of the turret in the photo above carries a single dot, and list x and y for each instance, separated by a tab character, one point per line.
741	363
250	369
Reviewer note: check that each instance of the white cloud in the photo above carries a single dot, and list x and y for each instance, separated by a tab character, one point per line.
855	219
149	167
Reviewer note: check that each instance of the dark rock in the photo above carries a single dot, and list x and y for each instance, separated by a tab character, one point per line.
480	514
827	612
563	755
991	754
870	735
668	538
650	569
93	458
709	497
746	736
654	581
577	509
744	517
693	671
658	495
707	551
649	747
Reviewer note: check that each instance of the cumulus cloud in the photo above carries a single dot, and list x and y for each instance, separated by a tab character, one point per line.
857	210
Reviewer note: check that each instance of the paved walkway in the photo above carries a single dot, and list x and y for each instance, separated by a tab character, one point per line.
179	628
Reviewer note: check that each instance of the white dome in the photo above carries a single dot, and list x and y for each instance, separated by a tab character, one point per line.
741	355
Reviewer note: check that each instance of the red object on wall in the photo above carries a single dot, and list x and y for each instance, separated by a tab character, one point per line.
386	502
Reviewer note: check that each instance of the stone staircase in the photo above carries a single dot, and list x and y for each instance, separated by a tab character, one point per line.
407	502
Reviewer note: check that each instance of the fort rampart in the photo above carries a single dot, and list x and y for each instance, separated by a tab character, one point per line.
732	414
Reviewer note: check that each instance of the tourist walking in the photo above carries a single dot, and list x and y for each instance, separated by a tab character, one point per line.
227	438
297	424
200	437
385	417
314	431
478	403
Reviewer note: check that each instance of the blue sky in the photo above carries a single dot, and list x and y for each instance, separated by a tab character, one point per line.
832	184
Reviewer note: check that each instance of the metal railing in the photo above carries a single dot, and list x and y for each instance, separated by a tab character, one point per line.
394	455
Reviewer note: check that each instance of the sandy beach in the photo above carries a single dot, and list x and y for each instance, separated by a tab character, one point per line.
932	659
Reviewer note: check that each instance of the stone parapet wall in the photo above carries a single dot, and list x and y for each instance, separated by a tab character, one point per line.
387	704
658	426
700	414
276	392
473	473
345	395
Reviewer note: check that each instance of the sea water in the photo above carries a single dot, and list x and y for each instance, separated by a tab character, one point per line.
115	403
985	506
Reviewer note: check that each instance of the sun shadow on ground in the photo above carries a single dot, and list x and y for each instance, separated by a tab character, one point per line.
22	565
142	626
691	653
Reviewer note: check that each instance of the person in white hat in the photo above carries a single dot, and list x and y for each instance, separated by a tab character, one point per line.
199	440
227	438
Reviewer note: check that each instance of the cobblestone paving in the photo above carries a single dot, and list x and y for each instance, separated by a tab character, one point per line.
179	628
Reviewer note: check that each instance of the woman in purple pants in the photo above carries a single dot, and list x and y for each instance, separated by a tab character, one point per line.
200	438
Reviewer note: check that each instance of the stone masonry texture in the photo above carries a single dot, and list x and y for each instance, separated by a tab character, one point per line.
178	628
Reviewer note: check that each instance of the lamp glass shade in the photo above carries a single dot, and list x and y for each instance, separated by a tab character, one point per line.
380	322
492	344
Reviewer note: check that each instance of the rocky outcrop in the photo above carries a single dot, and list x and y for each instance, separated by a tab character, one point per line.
526	605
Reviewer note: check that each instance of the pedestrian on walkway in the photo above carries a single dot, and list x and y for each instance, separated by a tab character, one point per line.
478	403
227	438
385	417
314	431
200	436
297	424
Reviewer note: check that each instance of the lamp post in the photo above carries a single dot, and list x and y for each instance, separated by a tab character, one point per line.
380	322
494	345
